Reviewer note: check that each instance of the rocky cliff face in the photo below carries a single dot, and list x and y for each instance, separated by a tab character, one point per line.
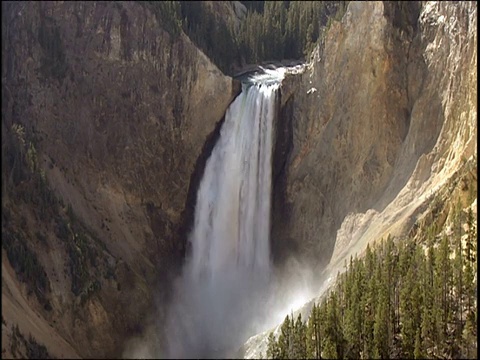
381	118
118	111
115	117
382	122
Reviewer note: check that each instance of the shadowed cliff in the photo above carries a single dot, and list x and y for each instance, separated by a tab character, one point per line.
105	112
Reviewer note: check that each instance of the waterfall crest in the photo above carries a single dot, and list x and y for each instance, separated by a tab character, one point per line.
225	280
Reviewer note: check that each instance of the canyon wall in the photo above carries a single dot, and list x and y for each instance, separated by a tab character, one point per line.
379	132
117	111
117	106
381	118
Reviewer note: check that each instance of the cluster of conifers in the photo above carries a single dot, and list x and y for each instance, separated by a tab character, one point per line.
405	299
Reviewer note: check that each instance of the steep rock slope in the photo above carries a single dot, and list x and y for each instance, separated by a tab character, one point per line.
382	122
117	111
381	118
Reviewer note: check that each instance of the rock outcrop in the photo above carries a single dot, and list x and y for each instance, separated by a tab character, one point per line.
381	118
118	111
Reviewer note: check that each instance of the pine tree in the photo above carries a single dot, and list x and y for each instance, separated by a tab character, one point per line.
329	349
313	334
431	290
354	313
442	285
368	345
458	270
299	339
427	319
417	292
470	261
335	325
284	339
273	349
470	338
381	323
369	301
408	328
469	333
391	274
380	331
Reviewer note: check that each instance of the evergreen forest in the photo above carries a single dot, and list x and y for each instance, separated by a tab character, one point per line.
408	299
270	31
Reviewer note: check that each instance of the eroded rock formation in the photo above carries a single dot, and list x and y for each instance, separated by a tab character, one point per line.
119	110
380	119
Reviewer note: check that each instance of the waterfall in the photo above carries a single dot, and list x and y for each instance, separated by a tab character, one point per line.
225	280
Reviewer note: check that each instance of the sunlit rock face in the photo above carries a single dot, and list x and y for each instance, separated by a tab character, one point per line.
381	117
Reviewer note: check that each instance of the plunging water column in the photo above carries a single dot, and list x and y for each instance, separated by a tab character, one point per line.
224	284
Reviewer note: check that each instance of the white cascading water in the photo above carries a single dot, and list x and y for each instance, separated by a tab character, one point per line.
224	286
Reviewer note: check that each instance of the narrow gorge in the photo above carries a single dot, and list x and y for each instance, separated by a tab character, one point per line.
178	177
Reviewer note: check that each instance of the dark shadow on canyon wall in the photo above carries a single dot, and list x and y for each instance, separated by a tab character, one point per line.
281	247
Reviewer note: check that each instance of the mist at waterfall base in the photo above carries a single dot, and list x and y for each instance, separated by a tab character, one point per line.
227	291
